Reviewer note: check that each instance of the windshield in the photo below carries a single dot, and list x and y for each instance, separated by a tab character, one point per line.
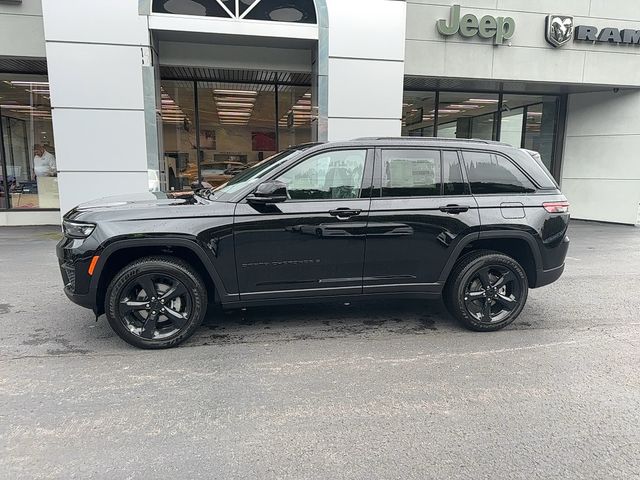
259	170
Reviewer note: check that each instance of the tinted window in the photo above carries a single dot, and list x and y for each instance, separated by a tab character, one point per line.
490	173
454	184
328	175
410	173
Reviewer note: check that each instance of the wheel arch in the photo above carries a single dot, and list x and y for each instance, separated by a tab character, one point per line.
517	244
120	253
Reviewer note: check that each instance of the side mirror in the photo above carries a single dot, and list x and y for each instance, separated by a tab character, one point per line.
269	192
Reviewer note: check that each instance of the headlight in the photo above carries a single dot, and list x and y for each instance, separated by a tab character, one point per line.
77	229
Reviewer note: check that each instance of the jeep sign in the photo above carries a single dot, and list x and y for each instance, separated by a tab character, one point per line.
500	29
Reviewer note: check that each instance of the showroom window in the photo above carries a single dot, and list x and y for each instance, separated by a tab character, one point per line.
28	167
295	11
524	121
214	130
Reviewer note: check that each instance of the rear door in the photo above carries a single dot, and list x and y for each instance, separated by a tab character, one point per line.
421	208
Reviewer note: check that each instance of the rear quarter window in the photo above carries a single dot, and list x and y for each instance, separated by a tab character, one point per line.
490	173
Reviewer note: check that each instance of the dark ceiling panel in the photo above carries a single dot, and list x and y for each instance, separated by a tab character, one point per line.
21	65
238	76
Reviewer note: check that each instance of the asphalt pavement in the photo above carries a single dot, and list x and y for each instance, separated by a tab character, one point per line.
384	390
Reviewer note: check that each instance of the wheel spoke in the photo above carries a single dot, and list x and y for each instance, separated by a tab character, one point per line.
129	306
483	276
176	318
146	282
486	311
149	327
476	295
504	279
175	291
509	303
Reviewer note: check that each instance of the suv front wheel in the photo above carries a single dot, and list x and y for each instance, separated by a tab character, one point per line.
486	291
156	302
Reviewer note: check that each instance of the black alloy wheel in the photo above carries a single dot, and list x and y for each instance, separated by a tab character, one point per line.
492	293
156	302
155	306
486	290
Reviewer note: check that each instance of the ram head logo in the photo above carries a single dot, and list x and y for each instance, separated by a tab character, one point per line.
559	29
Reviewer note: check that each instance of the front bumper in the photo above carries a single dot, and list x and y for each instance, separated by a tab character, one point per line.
74	258
545	277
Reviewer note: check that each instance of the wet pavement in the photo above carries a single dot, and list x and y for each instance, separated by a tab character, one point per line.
372	390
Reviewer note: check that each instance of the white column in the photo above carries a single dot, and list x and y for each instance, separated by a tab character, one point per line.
365	67
601	171
97	53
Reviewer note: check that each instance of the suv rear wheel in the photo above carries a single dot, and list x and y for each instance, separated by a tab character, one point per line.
486	291
156	302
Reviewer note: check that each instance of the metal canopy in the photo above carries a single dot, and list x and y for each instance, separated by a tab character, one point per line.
238	76
476	85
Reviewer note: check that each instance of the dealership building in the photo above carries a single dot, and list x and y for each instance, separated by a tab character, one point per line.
123	96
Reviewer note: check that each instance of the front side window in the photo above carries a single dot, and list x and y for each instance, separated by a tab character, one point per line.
410	173
328	175
491	173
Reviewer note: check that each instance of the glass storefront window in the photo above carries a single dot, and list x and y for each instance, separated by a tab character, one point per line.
214	130
295	111
418	114
27	152
524	121
179	170
237	128
532	125
467	115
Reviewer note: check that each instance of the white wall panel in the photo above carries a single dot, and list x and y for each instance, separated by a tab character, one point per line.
235	56
112	21
100	140
367	29
536	64
365	88
602	156
13	27
612	68
567	7
350	128
604	113
448	3
80	187
26	7
427	58
95	76
603	200
627	9
32	217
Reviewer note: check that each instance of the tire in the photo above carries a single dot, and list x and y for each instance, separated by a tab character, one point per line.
486	291
164	319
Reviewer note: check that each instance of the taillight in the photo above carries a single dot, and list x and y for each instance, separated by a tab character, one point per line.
556	207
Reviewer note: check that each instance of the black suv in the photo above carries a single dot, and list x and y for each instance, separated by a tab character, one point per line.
478	222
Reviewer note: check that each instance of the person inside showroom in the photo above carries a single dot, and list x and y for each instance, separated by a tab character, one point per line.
44	163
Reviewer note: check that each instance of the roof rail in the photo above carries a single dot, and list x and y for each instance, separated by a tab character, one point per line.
434	139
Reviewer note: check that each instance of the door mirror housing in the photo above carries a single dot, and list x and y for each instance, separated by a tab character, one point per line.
269	192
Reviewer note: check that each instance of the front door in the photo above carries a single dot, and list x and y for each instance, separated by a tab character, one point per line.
421	208
313	244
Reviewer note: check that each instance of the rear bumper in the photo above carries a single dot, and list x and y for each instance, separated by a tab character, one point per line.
545	277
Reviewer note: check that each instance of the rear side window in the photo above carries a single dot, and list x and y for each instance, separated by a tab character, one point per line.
454	183
410	173
491	173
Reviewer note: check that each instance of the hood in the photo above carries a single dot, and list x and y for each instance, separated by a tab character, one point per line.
144	205
137	200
